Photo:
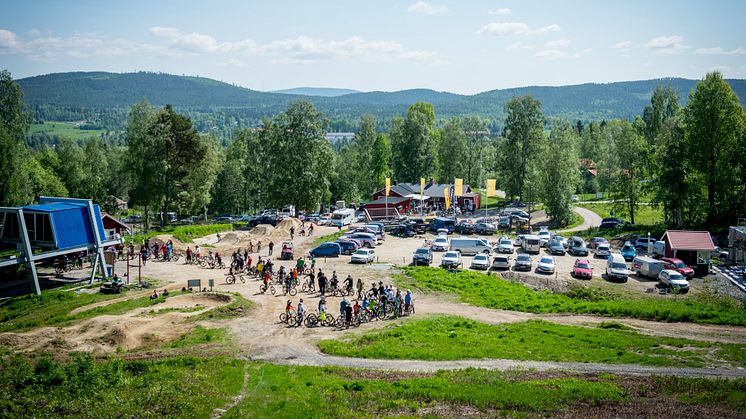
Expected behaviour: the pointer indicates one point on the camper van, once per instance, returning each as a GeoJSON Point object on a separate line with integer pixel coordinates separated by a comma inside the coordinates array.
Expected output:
{"type": "Point", "coordinates": [647, 267]}
{"type": "Point", "coordinates": [343, 217]}
{"type": "Point", "coordinates": [531, 243]}
{"type": "Point", "coordinates": [470, 246]}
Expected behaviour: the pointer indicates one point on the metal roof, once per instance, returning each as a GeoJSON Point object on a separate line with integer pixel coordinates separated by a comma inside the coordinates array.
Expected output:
{"type": "Point", "coordinates": [53, 207]}
{"type": "Point", "coordinates": [689, 240]}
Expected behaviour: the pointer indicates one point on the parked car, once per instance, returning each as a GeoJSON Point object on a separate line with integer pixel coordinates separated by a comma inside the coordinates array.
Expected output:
{"type": "Point", "coordinates": [505, 245]}
{"type": "Point", "coordinates": [402, 231]}
{"type": "Point", "coordinates": [324, 219]}
{"type": "Point", "coordinates": [523, 262]}
{"type": "Point", "coordinates": [719, 253]}
{"type": "Point", "coordinates": [470, 245]}
{"type": "Point", "coordinates": [545, 265]}
{"type": "Point", "coordinates": [642, 243]}
{"type": "Point", "coordinates": [603, 250]}
{"type": "Point", "coordinates": [480, 261]}
{"type": "Point", "coordinates": [574, 198]}
{"type": "Point", "coordinates": [451, 259]}
{"type": "Point", "coordinates": [440, 244]}
{"type": "Point", "coordinates": [518, 240]}
{"type": "Point", "coordinates": [503, 223]}
{"type": "Point", "coordinates": [544, 237]}
{"type": "Point", "coordinates": [594, 242]}
{"type": "Point", "coordinates": [326, 249]}
{"type": "Point", "coordinates": [502, 262]}
{"type": "Point", "coordinates": [422, 256]}
{"type": "Point", "coordinates": [368, 240]}
{"type": "Point", "coordinates": [679, 266]}
{"type": "Point", "coordinates": [582, 269]}
{"type": "Point", "coordinates": [616, 267]}
{"type": "Point", "coordinates": [609, 225]}
{"type": "Point", "coordinates": [363, 256]}
{"type": "Point", "coordinates": [348, 246]}
{"type": "Point", "coordinates": [464, 227]}
{"type": "Point", "coordinates": [628, 251]}
{"type": "Point", "coordinates": [577, 247]}
{"type": "Point", "coordinates": [484, 228]}
{"type": "Point", "coordinates": [314, 218]}
{"type": "Point", "coordinates": [673, 280]}
{"type": "Point", "coordinates": [555, 247]}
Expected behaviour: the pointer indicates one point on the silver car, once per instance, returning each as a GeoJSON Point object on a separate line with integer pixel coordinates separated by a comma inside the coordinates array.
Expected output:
{"type": "Point", "coordinates": [480, 261]}
{"type": "Point", "coordinates": [505, 245]}
{"type": "Point", "coordinates": [502, 262]}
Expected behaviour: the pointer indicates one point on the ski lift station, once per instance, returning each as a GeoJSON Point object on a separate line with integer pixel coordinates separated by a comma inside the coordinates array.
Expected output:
{"type": "Point", "coordinates": [53, 228]}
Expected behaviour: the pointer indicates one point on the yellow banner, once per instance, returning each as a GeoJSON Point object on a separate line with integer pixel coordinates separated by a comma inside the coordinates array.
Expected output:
{"type": "Point", "coordinates": [458, 187]}
{"type": "Point", "coordinates": [490, 187]}
{"type": "Point", "coordinates": [422, 186]}
{"type": "Point", "coordinates": [388, 186]}
{"type": "Point", "coordinates": [446, 195]}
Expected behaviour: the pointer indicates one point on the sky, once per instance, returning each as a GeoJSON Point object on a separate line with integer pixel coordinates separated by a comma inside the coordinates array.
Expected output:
{"type": "Point", "coordinates": [457, 46]}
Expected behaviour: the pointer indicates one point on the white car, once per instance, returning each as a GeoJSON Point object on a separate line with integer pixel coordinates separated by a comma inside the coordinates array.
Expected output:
{"type": "Point", "coordinates": [673, 280]}
{"type": "Point", "coordinates": [575, 198]}
{"type": "Point", "coordinates": [545, 265]}
{"type": "Point", "coordinates": [544, 236]}
{"type": "Point", "coordinates": [325, 220]}
{"type": "Point", "coordinates": [505, 245]}
{"type": "Point", "coordinates": [502, 262]}
{"type": "Point", "coordinates": [440, 244]}
{"type": "Point", "coordinates": [518, 240]}
{"type": "Point", "coordinates": [480, 261]}
{"type": "Point", "coordinates": [451, 259]}
{"type": "Point", "coordinates": [603, 250]}
{"type": "Point", "coordinates": [363, 256]}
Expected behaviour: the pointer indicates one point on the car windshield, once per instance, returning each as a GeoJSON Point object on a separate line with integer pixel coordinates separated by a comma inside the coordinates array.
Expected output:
{"type": "Point", "coordinates": [543, 233]}
{"type": "Point", "coordinates": [583, 266]}
{"type": "Point", "coordinates": [546, 260]}
{"type": "Point", "coordinates": [480, 257]}
{"type": "Point", "coordinates": [618, 265]}
{"type": "Point", "coordinates": [524, 258]}
{"type": "Point", "coordinates": [603, 247]}
{"type": "Point", "coordinates": [440, 240]}
{"type": "Point", "coordinates": [676, 277]}
{"type": "Point", "coordinates": [680, 264]}
{"type": "Point", "coordinates": [422, 251]}
{"type": "Point", "coordinates": [627, 248]}
{"type": "Point", "coordinates": [361, 252]}
{"type": "Point", "coordinates": [451, 255]}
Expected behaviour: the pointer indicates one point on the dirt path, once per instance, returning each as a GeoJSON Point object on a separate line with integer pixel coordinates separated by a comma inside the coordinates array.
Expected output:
{"type": "Point", "coordinates": [220, 411]}
{"type": "Point", "coordinates": [590, 219]}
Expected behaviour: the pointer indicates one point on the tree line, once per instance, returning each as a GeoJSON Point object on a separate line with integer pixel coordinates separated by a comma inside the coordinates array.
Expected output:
{"type": "Point", "coordinates": [689, 160]}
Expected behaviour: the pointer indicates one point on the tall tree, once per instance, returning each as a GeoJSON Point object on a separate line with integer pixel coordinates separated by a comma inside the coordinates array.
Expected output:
{"type": "Point", "coordinates": [381, 160]}
{"type": "Point", "coordinates": [96, 171]}
{"type": "Point", "coordinates": [299, 162]}
{"type": "Point", "coordinates": [625, 166]}
{"type": "Point", "coordinates": [14, 122]}
{"type": "Point", "coordinates": [144, 160]}
{"type": "Point", "coordinates": [713, 124]}
{"type": "Point", "coordinates": [452, 151]}
{"type": "Point", "coordinates": [664, 104]}
{"type": "Point", "coordinates": [413, 144]}
{"type": "Point", "coordinates": [523, 133]}
{"type": "Point", "coordinates": [256, 167]}
{"type": "Point", "coordinates": [559, 179]}
{"type": "Point", "coordinates": [73, 167]}
{"type": "Point", "coordinates": [364, 139]}
{"type": "Point", "coordinates": [476, 158]}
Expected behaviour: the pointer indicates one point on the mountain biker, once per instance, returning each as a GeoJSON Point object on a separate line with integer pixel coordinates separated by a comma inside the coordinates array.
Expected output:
{"type": "Point", "coordinates": [299, 264]}
{"type": "Point", "coordinates": [356, 308]}
{"type": "Point", "coordinates": [289, 307]}
{"type": "Point", "coordinates": [197, 251]}
{"type": "Point", "coordinates": [374, 289]}
{"type": "Point", "coordinates": [348, 314]}
{"type": "Point", "coordinates": [322, 282]}
{"type": "Point", "coordinates": [366, 303]}
{"type": "Point", "coordinates": [343, 306]}
{"type": "Point", "coordinates": [381, 289]}
{"type": "Point", "coordinates": [271, 246]}
{"type": "Point", "coordinates": [292, 232]}
{"type": "Point", "coordinates": [218, 261]}
{"type": "Point", "coordinates": [300, 311]}
{"type": "Point", "coordinates": [322, 310]}
{"type": "Point", "coordinates": [407, 300]}
{"type": "Point", "coordinates": [288, 283]}
{"type": "Point", "coordinates": [189, 255]}
{"type": "Point", "coordinates": [335, 281]}
{"type": "Point", "coordinates": [359, 288]}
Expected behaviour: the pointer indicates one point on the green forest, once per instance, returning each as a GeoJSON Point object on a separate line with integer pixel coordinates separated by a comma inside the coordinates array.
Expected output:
{"type": "Point", "coordinates": [684, 152]}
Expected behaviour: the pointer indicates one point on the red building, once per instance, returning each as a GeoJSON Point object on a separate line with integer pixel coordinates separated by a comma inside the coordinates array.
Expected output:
{"type": "Point", "coordinates": [114, 226]}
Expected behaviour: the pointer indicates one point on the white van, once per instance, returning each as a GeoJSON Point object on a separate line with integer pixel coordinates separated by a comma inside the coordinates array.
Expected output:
{"type": "Point", "coordinates": [647, 267]}
{"type": "Point", "coordinates": [659, 249]}
{"type": "Point", "coordinates": [343, 217]}
{"type": "Point", "coordinates": [470, 246]}
{"type": "Point", "coordinates": [531, 243]}
{"type": "Point", "coordinates": [616, 267]}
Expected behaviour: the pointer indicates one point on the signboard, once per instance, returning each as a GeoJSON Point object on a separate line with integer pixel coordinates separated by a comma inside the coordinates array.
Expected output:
{"type": "Point", "coordinates": [388, 186]}
{"type": "Point", "coordinates": [422, 186]}
{"type": "Point", "coordinates": [458, 187]}
{"type": "Point", "coordinates": [447, 197]}
{"type": "Point", "coordinates": [490, 187]}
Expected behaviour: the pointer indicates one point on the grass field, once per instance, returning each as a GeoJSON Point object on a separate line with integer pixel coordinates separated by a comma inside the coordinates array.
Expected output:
{"type": "Point", "coordinates": [328, 238]}
{"type": "Point", "coordinates": [493, 292]}
{"type": "Point", "coordinates": [451, 337]}
{"type": "Point", "coordinates": [64, 129]}
{"type": "Point", "coordinates": [185, 234]}
{"type": "Point", "coordinates": [645, 214]}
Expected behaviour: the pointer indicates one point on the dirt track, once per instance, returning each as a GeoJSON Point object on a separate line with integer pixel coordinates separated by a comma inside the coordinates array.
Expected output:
{"type": "Point", "coordinates": [263, 337]}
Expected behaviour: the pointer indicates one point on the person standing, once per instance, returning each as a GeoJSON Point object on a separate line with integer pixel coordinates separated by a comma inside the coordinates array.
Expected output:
{"type": "Point", "coordinates": [271, 246]}
{"type": "Point", "coordinates": [292, 232]}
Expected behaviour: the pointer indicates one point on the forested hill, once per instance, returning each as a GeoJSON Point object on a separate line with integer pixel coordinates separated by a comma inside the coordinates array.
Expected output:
{"type": "Point", "coordinates": [316, 91]}
{"type": "Point", "coordinates": [80, 95]}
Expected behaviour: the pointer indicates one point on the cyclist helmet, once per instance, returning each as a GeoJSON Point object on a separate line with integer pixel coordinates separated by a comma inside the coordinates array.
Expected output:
{"type": "Point", "coordinates": [301, 300]}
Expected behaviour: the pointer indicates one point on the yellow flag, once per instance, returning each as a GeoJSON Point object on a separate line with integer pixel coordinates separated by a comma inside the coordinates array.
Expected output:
{"type": "Point", "coordinates": [388, 186]}
{"type": "Point", "coordinates": [447, 198]}
{"type": "Point", "coordinates": [458, 187]}
{"type": "Point", "coordinates": [490, 187]}
{"type": "Point", "coordinates": [422, 186]}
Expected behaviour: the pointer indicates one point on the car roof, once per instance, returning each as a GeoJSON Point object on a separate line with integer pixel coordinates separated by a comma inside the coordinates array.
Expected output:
{"type": "Point", "coordinates": [672, 260]}
{"type": "Point", "coordinates": [582, 261]}
{"type": "Point", "coordinates": [672, 272]}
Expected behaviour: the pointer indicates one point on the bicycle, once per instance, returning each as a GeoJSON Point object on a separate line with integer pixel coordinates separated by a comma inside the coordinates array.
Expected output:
{"type": "Point", "coordinates": [175, 257]}
{"type": "Point", "coordinates": [289, 290]}
{"type": "Point", "coordinates": [284, 317]}
{"type": "Point", "coordinates": [312, 320]}
{"type": "Point", "coordinates": [263, 289]}
{"type": "Point", "coordinates": [410, 310]}
{"type": "Point", "coordinates": [308, 286]}
{"type": "Point", "coordinates": [231, 278]}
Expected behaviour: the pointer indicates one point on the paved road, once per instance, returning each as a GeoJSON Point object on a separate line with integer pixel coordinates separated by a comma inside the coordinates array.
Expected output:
{"type": "Point", "coordinates": [590, 219]}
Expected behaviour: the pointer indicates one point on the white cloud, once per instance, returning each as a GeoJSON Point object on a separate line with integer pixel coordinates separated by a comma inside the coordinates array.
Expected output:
{"type": "Point", "coordinates": [8, 40]}
{"type": "Point", "coordinates": [666, 44]}
{"type": "Point", "coordinates": [623, 46]}
{"type": "Point", "coordinates": [233, 62]}
{"type": "Point", "coordinates": [516, 28]}
{"type": "Point", "coordinates": [558, 43]}
{"type": "Point", "coordinates": [517, 46]}
{"type": "Point", "coordinates": [720, 51]}
{"type": "Point", "coordinates": [427, 8]}
{"type": "Point", "coordinates": [499, 12]}
{"type": "Point", "coordinates": [552, 54]}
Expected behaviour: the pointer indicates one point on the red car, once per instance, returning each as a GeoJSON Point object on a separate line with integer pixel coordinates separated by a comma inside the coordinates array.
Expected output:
{"type": "Point", "coordinates": [582, 269]}
{"type": "Point", "coordinates": [594, 242]}
{"type": "Point", "coordinates": [679, 266]}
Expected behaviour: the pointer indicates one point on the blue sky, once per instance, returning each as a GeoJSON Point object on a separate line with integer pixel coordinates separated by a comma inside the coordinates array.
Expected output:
{"type": "Point", "coordinates": [457, 46]}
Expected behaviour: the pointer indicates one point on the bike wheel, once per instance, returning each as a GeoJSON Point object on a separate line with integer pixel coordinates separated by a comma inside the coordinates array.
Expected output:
{"type": "Point", "coordinates": [230, 279]}
{"type": "Point", "coordinates": [292, 291]}
{"type": "Point", "coordinates": [311, 320]}
{"type": "Point", "coordinates": [329, 321]}
{"type": "Point", "coordinates": [243, 280]}
{"type": "Point", "coordinates": [292, 320]}
{"type": "Point", "coordinates": [262, 288]}
{"type": "Point", "coordinates": [175, 258]}
{"type": "Point", "coordinates": [272, 289]}
{"type": "Point", "coordinates": [304, 288]}
{"type": "Point", "coordinates": [283, 317]}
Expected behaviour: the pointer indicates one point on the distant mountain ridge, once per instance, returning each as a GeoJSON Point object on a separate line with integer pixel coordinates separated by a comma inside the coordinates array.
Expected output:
{"type": "Point", "coordinates": [79, 94]}
{"type": "Point", "coordinates": [315, 91]}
